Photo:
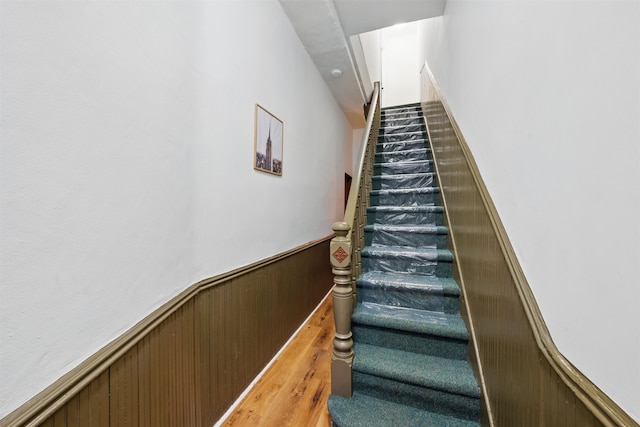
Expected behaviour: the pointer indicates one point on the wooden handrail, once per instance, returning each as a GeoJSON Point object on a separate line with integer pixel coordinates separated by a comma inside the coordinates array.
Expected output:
{"type": "Point", "coordinates": [350, 211]}
{"type": "Point", "coordinates": [344, 253]}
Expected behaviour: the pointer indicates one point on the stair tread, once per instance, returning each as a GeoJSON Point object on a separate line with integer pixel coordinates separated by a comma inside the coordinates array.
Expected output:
{"type": "Point", "coordinates": [393, 146]}
{"type": "Point", "coordinates": [401, 209]}
{"type": "Point", "coordinates": [391, 118]}
{"type": "Point", "coordinates": [410, 150]}
{"type": "Point", "coordinates": [365, 411]}
{"type": "Point", "coordinates": [413, 162]}
{"type": "Point", "coordinates": [422, 229]}
{"type": "Point", "coordinates": [446, 285]}
{"type": "Point", "coordinates": [416, 113]}
{"type": "Point", "coordinates": [419, 190]}
{"type": "Point", "coordinates": [425, 213]}
{"type": "Point", "coordinates": [388, 182]}
{"type": "Point", "coordinates": [410, 132]}
{"type": "Point", "coordinates": [451, 376]}
{"type": "Point", "coordinates": [403, 175]}
{"type": "Point", "coordinates": [413, 127]}
{"type": "Point", "coordinates": [406, 115]}
{"type": "Point", "coordinates": [398, 110]}
{"type": "Point", "coordinates": [430, 254]}
{"type": "Point", "coordinates": [411, 320]}
{"type": "Point", "coordinates": [425, 139]}
{"type": "Point", "coordinates": [412, 113]}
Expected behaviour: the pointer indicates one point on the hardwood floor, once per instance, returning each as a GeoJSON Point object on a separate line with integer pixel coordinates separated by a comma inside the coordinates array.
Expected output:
{"type": "Point", "coordinates": [294, 390]}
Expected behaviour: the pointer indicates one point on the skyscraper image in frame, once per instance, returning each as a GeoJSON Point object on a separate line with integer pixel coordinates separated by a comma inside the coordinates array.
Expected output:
{"type": "Point", "coordinates": [268, 142]}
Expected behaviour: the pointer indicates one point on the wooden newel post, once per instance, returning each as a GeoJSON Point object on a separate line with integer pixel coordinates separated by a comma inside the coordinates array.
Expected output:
{"type": "Point", "coordinates": [342, 359]}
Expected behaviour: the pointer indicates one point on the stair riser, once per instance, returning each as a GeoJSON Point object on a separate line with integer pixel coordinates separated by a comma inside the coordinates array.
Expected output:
{"type": "Point", "coordinates": [405, 199]}
{"type": "Point", "coordinates": [381, 169]}
{"type": "Point", "coordinates": [390, 147]}
{"type": "Point", "coordinates": [431, 345]}
{"type": "Point", "coordinates": [404, 238]}
{"type": "Point", "coordinates": [393, 130]}
{"type": "Point", "coordinates": [406, 218]}
{"type": "Point", "coordinates": [414, 298]}
{"type": "Point", "coordinates": [388, 182]}
{"type": "Point", "coordinates": [403, 156]}
{"type": "Point", "coordinates": [403, 137]}
{"type": "Point", "coordinates": [450, 404]}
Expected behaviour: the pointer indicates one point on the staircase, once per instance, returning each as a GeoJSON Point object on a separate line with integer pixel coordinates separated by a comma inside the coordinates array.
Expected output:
{"type": "Point", "coordinates": [410, 343]}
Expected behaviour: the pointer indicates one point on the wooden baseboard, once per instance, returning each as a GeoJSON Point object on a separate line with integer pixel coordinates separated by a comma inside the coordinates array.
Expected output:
{"type": "Point", "coordinates": [526, 379]}
{"type": "Point", "coordinates": [188, 361]}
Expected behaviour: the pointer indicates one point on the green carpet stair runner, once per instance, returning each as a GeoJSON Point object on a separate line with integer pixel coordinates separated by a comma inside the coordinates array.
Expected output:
{"type": "Point", "coordinates": [410, 342]}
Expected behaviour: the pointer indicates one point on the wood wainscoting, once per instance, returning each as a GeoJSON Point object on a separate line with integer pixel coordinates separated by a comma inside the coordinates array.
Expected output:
{"type": "Point", "coordinates": [525, 380]}
{"type": "Point", "coordinates": [187, 362]}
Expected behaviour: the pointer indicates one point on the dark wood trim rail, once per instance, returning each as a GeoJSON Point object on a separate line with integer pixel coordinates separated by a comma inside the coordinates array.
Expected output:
{"type": "Point", "coordinates": [527, 381]}
{"type": "Point", "coordinates": [188, 361]}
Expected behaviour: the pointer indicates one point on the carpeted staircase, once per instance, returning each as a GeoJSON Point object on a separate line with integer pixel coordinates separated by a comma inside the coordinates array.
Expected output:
{"type": "Point", "coordinates": [410, 342]}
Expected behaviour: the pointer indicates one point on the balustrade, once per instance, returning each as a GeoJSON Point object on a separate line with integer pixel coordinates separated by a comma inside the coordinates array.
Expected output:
{"type": "Point", "coordinates": [345, 253]}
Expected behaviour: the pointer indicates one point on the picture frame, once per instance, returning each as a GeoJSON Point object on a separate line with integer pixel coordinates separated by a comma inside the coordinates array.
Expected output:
{"type": "Point", "coordinates": [268, 142]}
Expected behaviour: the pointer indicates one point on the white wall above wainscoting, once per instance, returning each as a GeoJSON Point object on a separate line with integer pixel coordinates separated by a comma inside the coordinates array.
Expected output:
{"type": "Point", "coordinates": [547, 95]}
{"type": "Point", "coordinates": [127, 165]}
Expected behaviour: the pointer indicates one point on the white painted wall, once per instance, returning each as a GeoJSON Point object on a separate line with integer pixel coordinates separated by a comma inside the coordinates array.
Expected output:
{"type": "Point", "coordinates": [126, 165]}
{"type": "Point", "coordinates": [361, 68]}
{"type": "Point", "coordinates": [547, 95]}
{"type": "Point", "coordinates": [356, 146]}
{"type": "Point", "coordinates": [348, 152]}
{"type": "Point", "coordinates": [372, 49]}
{"type": "Point", "coordinates": [400, 65]}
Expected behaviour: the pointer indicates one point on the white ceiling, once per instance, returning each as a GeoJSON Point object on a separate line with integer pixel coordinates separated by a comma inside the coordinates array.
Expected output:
{"type": "Point", "coordinates": [324, 26]}
{"type": "Point", "coordinates": [361, 16]}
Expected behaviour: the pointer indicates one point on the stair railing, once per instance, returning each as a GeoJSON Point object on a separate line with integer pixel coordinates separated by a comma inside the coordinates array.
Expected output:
{"type": "Point", "coordinates": [345, 251]}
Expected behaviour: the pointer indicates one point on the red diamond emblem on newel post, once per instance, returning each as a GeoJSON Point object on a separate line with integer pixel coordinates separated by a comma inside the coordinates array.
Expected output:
{"type": "Point", "coordinates": [340, 254]}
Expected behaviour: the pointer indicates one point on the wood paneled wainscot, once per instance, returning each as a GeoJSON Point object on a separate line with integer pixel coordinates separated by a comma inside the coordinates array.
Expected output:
{"type": "Point", "coordinates": [525, 380]}
{"type": "Point", "coordinates": [186, 363]}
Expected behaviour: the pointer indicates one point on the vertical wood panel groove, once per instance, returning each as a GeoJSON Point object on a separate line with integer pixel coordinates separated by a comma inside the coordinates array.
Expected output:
{"type": "Point", "coordinates": [526, 379]}
{"type": "Point", "coordinates": [189, 362]}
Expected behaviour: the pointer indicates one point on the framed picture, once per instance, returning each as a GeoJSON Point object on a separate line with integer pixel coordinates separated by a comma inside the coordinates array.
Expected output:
{"type": "Point", "coordinates": [267, 151]}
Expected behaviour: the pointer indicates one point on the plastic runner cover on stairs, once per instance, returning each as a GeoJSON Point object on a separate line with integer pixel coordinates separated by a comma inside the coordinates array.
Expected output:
{"type": "Point", "coordinates": [410, 342]}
